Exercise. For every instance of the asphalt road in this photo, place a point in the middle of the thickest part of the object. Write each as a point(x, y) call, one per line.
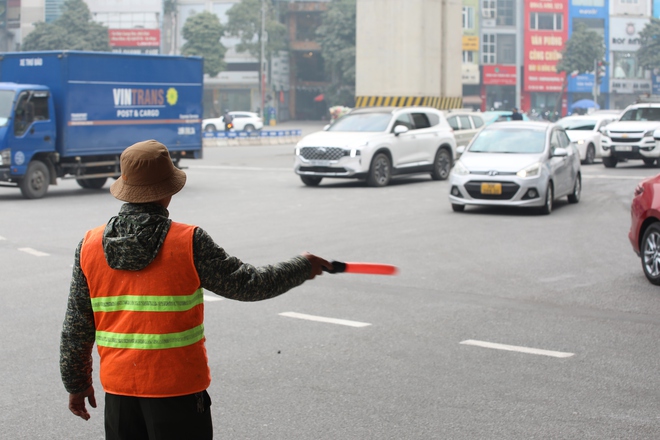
point(407, 360)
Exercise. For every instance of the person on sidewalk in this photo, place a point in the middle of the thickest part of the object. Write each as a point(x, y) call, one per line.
point(137, 292)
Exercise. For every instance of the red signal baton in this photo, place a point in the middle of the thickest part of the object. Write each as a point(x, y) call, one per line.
point(363, 268)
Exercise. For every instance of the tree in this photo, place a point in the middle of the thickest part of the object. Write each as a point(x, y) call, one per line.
point(244, 22)
point(582, 50)
point(648, 54)
point(202, 33)
point(73, 30)
point(337, 39)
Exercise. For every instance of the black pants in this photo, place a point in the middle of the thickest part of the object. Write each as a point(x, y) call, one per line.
point(170, 418)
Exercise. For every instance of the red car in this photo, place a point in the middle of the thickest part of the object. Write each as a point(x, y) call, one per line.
point(644, 232)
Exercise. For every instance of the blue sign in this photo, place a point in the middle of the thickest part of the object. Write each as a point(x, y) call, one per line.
point(584, 83)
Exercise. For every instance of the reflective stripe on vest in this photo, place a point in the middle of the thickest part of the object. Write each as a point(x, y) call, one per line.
point(140, 341)
point(148, 303)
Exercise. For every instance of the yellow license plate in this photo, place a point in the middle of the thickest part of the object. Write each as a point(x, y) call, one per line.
point(491, 188)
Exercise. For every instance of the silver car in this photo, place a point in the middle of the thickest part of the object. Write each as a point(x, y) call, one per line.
point(518, 163)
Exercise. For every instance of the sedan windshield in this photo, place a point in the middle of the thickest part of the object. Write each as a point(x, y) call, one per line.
point(509, 140)
point(642, 114)
point(6, 101)
point(578, 124)
point(369, 122)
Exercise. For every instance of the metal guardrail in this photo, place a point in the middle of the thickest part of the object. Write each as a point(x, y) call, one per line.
point(263, 137)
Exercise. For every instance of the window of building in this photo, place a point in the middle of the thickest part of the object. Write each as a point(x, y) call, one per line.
point(488, 8)
point(128, 20)
point(488, 49)
point(468, 56)
point(545, 21)
point(625, 66)
point(468, 17)
point(593, 24)
point(505, 49)
point(306, 26)
point(634, 2)
point(506, 13)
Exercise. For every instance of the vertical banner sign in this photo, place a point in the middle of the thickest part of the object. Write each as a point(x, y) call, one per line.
point(546, 32)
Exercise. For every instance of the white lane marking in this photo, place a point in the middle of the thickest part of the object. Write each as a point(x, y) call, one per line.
point(2, 238)
point(557, 354)
point(235, 168)
point(34, 252)
point(603, 176)
point(212, 298)
point(322, 319)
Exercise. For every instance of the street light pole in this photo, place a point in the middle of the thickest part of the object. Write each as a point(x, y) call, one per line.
point(262, 70)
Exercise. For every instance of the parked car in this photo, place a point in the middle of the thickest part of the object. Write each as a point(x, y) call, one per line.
point(243, 121)
point(376, 144)
point(465, 125)
point(644, 234)
point(517, 164)
point(631, 136)
point(585, 131)
point(500, 116)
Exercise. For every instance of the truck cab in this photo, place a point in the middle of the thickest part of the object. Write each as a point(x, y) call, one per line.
point(27, 136)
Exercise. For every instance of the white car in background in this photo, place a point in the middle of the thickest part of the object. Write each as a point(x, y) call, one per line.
point(376, 144)
point(243, 121)
point(585, 131)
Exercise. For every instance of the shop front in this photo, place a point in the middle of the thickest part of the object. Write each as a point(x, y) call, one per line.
point(628, 79)
point(498, 90)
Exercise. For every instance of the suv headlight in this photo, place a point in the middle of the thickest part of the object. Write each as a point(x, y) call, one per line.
point(530, 171)
point(460, 169)
point(649, 133)
point(5, 157)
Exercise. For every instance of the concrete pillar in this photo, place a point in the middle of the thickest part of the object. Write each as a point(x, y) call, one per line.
point(409, 53)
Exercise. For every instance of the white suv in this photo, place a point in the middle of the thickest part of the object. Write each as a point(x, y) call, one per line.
point(377, 143)
point(631, 136)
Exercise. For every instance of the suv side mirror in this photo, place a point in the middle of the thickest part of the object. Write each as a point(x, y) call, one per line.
point(400, 129)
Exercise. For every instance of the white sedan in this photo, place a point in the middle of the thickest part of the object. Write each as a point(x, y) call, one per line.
point(584, 130)
point(243, 121)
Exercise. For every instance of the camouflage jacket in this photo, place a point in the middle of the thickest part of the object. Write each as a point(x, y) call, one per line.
point(131, 240)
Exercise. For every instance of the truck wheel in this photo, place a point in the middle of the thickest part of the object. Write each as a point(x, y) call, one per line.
point(34, 184)
point(610, 162)
point(96, 183)
point(379, 172)
point(311, 180)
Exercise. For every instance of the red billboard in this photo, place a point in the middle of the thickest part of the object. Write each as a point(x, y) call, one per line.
point(134, 37)
point(546, 32)
point(499, 74)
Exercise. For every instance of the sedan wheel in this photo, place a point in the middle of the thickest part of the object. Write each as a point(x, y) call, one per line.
point(380, 171)
point(209, 128)
point(651, 253)
point(574, 197)
point(549, 198)
point(590, 155)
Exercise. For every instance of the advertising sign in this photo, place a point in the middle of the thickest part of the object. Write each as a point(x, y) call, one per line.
point(546, 32)
point(470, 43)
point(499, 74)
point(134, 37)
point(624, 33)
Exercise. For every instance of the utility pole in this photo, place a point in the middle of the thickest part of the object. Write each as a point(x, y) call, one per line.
point(262, 58)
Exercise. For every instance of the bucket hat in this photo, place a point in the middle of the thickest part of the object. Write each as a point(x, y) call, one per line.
point(147, 174)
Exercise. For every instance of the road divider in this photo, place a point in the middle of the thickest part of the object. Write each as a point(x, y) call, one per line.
point(244, 138)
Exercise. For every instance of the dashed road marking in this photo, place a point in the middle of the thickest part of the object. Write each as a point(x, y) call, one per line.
point(237, 168)
point(34, 252)
point(538, 351)
point(2, 238)
point(323, 319)
point(604, 176)
point(212, 298)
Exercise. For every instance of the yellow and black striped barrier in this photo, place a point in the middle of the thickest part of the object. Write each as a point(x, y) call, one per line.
point(409, 101)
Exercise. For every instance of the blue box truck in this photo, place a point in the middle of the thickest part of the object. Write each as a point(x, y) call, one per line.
point(70, 114)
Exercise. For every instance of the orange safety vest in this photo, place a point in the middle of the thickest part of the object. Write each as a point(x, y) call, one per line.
point(149, 322)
